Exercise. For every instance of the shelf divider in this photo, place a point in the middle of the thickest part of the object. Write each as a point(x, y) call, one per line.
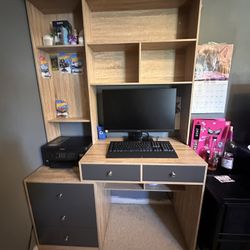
point(62, 48)
point(70, 119)
point(124, 186)
point(163, 187)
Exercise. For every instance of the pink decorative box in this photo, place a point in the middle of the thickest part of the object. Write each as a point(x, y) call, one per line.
point(209, 135)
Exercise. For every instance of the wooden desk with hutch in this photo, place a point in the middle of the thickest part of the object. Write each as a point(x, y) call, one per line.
point(127, 43)
point(73, 208)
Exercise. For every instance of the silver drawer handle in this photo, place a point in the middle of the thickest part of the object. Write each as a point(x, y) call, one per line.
point(63, 218)
point(59, 196)
point(66, 238)
point(172, 174)
point(110, 173)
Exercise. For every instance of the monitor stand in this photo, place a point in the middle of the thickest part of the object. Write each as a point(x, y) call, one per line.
point(138, 136)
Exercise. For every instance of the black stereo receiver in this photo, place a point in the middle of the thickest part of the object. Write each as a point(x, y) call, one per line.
point(65, 151)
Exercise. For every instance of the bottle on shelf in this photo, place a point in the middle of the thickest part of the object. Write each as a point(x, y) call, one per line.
point(229, 152)
point(213, 160)
point(213, 155)
point(205, 151)
point(73, 38)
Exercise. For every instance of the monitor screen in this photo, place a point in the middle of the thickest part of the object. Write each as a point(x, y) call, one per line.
point(131, 110)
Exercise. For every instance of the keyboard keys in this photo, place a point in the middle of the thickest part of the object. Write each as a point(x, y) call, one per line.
point(148, 149)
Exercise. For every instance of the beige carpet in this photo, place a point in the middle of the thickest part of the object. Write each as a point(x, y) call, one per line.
point(142, 227)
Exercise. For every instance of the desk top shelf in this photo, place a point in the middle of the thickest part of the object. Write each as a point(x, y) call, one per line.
point(46, 174)
point(186, 156)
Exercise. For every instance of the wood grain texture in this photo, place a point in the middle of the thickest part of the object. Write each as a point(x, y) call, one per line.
point(86, 21)
point(90, 70)
point(105, 47)
point(164, 188)
point(187, 209)
point(139, 63)
point(47, 247)
point(124, 186)
point(184, 91)
point(72, 88)
point(153, 83)
point(59, 48)
point(115, 63)
point(127, 42)
point(55, 6)
point(70, 120)
point(97, 155)
point(198, 9)
point(54, 175)
point(193, 9)
point(102, 201)
point(170, 44)
point(166, 53)
point(30, 209)
point(101, 5)
point(167, 61)
point(162, 66)
point(190, 62)
point(133, 26)
point(93, 113)
point(38, 28)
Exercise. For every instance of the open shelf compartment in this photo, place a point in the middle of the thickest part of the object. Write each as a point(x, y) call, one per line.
point(167, 62)
point(55, 6)
point(72, 88)
point(138, 21)
point(43, 13)
point(114, 63)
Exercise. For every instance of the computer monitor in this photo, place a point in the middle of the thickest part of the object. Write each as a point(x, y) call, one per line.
point(139, 110)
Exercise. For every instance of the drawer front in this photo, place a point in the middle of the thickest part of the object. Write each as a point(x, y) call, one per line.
point(111, 172)
point(234, 245)
point(86, 237)
point(173, 173)
point(62, 205)
point(236, 219)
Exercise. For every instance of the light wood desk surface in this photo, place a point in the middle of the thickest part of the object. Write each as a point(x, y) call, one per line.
point(186, 156)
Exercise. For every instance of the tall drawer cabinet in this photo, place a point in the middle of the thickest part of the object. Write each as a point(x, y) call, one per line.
point(64, 214)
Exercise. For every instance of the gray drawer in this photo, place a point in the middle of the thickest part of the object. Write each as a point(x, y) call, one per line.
point(62, 205)
point(173, 173)
point(110, 172)
point(68, 237)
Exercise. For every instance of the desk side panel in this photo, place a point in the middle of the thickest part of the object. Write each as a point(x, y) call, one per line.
point(102, 201)
point(187, 206)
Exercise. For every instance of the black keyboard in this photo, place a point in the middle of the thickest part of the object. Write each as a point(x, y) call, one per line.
point(138, 149)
